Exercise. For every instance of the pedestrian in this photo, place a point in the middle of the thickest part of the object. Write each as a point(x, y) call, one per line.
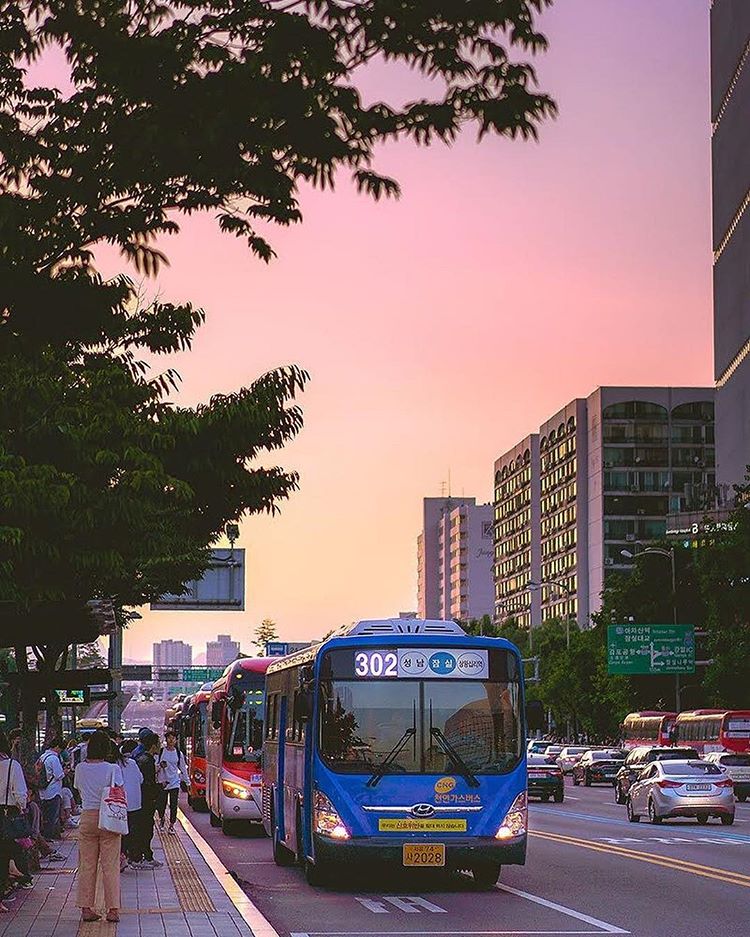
point(143, 856)
point(133, 780)
point(143, 734)
point(13, 797)
point(97, 848)
point(171, 773)
point(49, 781)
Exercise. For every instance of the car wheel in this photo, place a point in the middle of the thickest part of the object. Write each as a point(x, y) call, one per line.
point(653, 816)
point(742, 798)
point(702, 818)
point(619, 796)
point(545, 798)
point(486, 874)
point(559, 797)
point(587, 780)
point(633, 817)
point(727, 819)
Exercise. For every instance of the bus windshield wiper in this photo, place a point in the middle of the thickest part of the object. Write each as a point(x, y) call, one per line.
point(381, 769)
point(457, 760)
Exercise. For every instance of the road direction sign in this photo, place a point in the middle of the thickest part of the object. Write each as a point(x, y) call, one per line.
point(651, 649)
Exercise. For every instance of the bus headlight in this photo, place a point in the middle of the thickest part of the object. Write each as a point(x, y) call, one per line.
point(515, 821)
point(238, 791)
point(199, 777)
point(326, 820)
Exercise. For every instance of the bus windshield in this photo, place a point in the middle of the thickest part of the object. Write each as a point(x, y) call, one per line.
point(200, 729)
point(245, 737)
point(431, 726)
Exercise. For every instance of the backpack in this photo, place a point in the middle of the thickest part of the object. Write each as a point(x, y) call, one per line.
point(41, 774)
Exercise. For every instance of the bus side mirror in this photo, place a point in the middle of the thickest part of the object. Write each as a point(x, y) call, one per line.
point(306, 677)
point(304, 705)
point(216, 714)
point(236, 699)
point(534, 715)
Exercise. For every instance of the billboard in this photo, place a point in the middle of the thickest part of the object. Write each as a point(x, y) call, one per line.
point(650, 649)
point(220, 589)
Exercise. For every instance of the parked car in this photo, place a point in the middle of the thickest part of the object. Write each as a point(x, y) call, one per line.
point(569, 756)
point(597, 767)
point(737, 766)
point(639, 758)
point(545, 779)
point(697, 789)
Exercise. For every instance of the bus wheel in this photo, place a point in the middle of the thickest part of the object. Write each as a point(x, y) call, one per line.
point(486, 874)
point(316, 873)
point(213, 819)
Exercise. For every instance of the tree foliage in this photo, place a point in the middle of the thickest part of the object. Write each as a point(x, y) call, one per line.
point(265, 632)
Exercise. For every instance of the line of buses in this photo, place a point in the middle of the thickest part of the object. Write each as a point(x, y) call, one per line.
point(399, 740)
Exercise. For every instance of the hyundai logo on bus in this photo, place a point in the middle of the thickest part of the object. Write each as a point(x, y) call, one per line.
point(422, 810)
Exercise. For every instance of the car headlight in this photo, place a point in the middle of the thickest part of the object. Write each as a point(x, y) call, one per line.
point(515, 822)
point(326, 820)
point(238, 791)
point(199, 777)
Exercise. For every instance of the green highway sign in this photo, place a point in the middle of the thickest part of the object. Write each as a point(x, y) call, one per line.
point(651, 649)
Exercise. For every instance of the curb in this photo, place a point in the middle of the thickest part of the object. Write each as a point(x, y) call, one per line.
point(255, 920)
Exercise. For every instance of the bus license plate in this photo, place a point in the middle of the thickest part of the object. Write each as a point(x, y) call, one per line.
point(428, 855)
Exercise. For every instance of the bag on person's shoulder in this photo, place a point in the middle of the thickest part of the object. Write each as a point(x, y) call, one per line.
point(113, 810)
point(13, 823)
point(42, 777)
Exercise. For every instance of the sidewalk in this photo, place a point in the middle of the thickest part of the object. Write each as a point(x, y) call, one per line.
point(184, 898)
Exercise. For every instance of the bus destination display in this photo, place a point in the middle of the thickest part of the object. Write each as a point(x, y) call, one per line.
point(409, 663)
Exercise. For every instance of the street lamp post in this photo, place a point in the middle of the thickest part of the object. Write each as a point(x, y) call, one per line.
point(670, 555)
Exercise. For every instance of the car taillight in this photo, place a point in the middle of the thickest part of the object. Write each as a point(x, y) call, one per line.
point(725, 782)
point(664, 784)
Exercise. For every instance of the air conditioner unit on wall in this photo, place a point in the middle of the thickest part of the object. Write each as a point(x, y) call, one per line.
point(608, 561)
point(630, 538)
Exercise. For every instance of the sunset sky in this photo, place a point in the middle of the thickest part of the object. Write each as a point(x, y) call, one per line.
point(440, 329)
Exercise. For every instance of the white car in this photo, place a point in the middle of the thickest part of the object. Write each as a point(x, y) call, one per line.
point(737, 766)
point(570, 756)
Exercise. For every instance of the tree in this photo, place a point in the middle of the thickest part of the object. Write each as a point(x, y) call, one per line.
point(108, 489)
point(265, 632)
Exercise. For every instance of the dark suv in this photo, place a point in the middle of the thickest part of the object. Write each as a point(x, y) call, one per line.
point(637, 760)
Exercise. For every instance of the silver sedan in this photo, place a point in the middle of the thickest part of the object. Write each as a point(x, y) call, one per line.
point(681, 789)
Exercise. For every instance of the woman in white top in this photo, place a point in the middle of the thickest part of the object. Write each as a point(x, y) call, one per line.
point(171, 773)
point(97, 848)
point(13, 797)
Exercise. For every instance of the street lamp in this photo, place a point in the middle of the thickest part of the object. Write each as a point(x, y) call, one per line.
point(536, 586)
point(669, 555)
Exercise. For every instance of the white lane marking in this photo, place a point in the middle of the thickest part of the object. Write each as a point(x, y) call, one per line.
point(257, 922)
point(377, 907)
point(437, 933)
point(570, 797)
point(412, 904)
point(587, 919)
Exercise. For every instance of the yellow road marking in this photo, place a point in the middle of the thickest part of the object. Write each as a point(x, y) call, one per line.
point(667, 862)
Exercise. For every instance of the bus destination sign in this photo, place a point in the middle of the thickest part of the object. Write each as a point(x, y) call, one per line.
point(409, 663)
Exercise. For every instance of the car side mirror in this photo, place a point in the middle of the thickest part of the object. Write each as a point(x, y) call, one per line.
point(534, 715)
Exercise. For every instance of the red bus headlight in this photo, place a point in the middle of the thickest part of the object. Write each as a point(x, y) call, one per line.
point(237, 791)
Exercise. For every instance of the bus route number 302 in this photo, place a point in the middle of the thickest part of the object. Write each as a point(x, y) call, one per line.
point(376, 664)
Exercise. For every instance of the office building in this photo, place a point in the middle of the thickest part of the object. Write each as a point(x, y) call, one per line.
point(599, 478)
point(454, 559)
point(222, 651)
point(173, 654)
point(730, 148)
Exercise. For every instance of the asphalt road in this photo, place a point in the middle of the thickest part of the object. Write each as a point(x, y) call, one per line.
point(588, 871)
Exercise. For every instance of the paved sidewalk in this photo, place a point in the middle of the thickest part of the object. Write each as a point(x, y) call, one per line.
point(184, 898)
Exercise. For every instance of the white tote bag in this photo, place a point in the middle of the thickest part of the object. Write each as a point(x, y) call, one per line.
point(113, 810)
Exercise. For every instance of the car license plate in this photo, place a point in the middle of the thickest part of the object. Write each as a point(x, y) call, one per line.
point(698, 788)
point(428, 855)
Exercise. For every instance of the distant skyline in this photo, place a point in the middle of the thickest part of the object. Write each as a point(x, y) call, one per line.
point(440, 329)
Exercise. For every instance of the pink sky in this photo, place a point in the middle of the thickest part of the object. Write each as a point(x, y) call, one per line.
point(440, 329)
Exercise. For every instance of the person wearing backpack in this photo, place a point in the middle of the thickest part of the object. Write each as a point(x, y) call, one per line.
point(49, 781)
point(171, 773)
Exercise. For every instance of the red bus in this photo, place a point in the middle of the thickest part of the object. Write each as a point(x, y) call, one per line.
point(234, 743)
point(195, 730)
point(715, 730)
point(648, 728)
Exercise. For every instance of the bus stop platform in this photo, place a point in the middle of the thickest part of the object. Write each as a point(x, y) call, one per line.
point(191, 895)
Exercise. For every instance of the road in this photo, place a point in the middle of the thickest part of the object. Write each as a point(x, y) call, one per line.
point(588, 871)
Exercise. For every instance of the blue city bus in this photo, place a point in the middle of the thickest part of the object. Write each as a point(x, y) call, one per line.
point(400, 741)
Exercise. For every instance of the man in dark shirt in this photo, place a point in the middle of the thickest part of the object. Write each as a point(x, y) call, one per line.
point(143, 857)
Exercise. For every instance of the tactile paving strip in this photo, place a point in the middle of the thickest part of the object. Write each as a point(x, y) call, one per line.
point(191, 892)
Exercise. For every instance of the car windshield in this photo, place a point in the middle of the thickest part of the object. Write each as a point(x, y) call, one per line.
point(606, 756)
point(432, 726)
point(735, 761)
point(691, 768)
point(573, 751)
point(675, 754)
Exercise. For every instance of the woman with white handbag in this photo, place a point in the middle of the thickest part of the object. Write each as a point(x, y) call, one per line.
point(103, 821)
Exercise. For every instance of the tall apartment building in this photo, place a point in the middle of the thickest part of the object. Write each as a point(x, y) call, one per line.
point(599, 477)
point(454, 559)
point(730, 106)
point(222, 651)
point(172, 654)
